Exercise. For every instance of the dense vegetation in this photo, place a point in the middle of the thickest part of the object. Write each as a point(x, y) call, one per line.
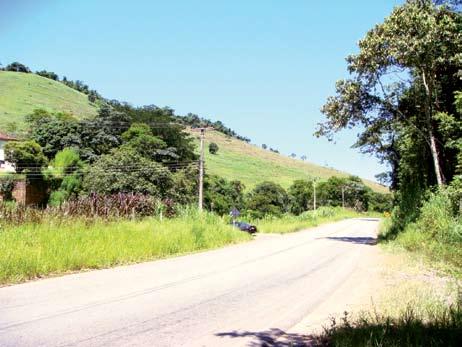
point(405, 94)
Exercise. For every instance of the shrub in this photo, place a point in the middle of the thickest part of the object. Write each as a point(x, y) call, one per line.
point(7, 187)
point(222, 195)
point(125, 171)
point(301, 196)
point(213, 148)
point(267, 198)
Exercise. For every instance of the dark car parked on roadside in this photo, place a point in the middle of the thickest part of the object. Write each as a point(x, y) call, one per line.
point(251, 229)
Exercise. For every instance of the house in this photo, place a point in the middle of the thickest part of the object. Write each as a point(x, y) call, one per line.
point(5, 166)
point(24, 191)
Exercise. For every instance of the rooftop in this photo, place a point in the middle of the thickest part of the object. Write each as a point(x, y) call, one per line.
point(5, 137)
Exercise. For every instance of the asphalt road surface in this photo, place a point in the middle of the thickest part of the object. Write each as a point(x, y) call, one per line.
point(229, 296)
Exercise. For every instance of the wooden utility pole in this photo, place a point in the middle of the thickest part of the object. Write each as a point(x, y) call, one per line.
point(314, 195)
point(201, 170)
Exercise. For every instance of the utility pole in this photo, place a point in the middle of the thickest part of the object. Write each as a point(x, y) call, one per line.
point(201, 170)
point(314, 195)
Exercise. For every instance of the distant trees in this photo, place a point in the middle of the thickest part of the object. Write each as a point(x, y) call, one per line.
point(267, 198)
point(213, 148)
point(293, 155)
point(303, 157)
point(264, 146)
point(222, 195)
point(355, 193)
point(300, 196)
point(48, 74)
point(17, 67)
point(194, 121)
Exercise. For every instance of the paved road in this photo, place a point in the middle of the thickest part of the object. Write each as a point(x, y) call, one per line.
point(217, 298)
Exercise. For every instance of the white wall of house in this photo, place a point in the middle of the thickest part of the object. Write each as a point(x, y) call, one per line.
point(4, 166)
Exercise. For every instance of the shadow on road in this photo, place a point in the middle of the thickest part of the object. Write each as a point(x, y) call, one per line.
point(358, 240)
point(270, 338)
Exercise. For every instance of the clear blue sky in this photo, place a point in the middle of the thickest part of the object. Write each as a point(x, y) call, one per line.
point(263, 67)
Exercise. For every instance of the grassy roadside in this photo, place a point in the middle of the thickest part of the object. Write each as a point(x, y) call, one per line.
point(291, 223)
point(35, 250)
point(61, 245)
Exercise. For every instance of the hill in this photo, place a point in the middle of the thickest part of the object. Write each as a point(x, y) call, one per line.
point(251, 164)
point(21, 93)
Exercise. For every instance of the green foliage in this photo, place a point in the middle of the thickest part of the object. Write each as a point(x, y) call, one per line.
point(126, 171)
point(64, 176)
point(163, 126)
point(92, 137)
point(355, 193)
point(221, 196)
point(194, 121)
point(140, 139)
point(17, 67)
point(213, 148)
point(403, 94)
point(442, 329)
point(252, 165)
point(379, 202)
point(184, 190)
point(301, 196)
point(48, 74)
point(26, 156)
point(267, 198)
point(7, 183)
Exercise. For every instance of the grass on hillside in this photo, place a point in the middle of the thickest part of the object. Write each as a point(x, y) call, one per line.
point(21, 93)
point(35, 250)
point(252, 165)
point(290, 223)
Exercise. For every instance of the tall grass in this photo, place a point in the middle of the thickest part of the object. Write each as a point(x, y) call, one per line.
point(290, 223)
point(440, 329)
point(34, 250)
point(436, 234)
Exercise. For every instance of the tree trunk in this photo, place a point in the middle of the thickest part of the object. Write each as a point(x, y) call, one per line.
point(431, 135)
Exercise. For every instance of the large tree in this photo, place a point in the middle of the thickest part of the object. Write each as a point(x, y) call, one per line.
point(402, 82)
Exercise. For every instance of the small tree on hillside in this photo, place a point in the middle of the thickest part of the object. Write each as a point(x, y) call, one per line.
point(17, 67)
point(213, 148)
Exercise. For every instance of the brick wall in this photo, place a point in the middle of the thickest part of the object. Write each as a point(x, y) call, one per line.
point(25, 193)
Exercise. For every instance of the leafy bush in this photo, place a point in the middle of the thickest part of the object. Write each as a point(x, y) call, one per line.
point(64, 176)
point(213, 148)
point(26, 156)
point(267, 198)
point(125, 171)
point(221, 195)
point(301, 196)
point(6, 187)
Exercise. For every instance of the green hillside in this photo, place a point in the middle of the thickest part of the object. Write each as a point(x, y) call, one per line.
point(250, 164)
point(21, 93)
